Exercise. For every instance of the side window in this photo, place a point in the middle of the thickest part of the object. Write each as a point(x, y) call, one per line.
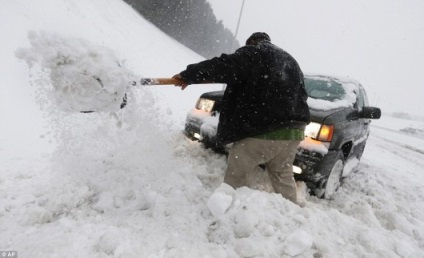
point(362, 98)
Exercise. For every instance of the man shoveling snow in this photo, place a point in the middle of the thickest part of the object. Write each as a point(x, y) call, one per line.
point(264, 111)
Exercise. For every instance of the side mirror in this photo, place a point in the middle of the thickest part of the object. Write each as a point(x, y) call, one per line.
point(370, 112)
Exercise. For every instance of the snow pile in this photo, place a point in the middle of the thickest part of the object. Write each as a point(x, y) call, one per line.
point(313, 145)
point(209, 126)
point(259, 224)
point(298, 242)
point(84, 76)
point(221, 200)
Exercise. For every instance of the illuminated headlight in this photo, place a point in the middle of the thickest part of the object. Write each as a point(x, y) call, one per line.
point(197, 136)
point(205, 104)
point(312, 130)
point(297, 170)
point(319, 132)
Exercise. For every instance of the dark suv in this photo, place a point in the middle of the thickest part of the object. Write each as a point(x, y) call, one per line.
point(334, 140)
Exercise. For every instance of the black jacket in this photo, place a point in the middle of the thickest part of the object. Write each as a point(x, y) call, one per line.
point(265, 91)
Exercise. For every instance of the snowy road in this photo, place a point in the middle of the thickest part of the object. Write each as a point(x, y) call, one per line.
point(386, 192)
point(405, 152)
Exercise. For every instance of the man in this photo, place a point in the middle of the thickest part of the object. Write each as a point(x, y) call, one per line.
point(264, 111)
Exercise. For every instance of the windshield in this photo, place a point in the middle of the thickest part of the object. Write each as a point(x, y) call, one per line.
point(329, 90)
point(328, 93)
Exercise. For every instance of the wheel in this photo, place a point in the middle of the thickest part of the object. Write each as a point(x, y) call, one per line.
point(329, 185)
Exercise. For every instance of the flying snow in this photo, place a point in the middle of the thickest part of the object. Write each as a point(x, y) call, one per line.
point(83, 76)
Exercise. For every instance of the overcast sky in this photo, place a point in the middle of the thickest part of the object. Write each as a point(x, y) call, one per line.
point(380, 43)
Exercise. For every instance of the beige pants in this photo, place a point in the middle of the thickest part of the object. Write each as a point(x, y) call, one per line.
point(246, 155)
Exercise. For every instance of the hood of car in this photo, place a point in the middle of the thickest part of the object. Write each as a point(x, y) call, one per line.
point(316, 115)
point(213, 95)
point(332, 116)
point(328, 116)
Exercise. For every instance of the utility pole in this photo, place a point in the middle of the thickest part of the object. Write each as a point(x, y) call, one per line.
point(235, 35)
point(238, 23)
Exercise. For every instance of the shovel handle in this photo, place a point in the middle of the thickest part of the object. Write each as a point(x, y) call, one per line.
point(158, 81)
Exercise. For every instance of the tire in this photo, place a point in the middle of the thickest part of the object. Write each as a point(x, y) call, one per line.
point(329, 185)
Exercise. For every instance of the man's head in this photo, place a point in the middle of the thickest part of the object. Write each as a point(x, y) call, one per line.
point(257, 37)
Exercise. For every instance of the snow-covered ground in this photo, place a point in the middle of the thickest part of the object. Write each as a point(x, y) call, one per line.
point(128, 183)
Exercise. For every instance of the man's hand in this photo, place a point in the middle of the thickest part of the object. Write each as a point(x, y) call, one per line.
point(181, 83)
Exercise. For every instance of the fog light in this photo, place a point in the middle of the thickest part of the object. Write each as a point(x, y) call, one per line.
point(297, 170)
point(197, 136)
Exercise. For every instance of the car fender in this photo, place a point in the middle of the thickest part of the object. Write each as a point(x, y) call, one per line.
point(323, 169)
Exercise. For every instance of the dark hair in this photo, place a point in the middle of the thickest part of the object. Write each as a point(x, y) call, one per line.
point(256, 37)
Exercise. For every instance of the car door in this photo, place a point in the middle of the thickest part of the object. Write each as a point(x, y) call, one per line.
point(363, 124)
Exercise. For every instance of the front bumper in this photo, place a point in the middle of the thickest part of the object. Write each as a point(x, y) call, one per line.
point(192, 129)
point(309, 162)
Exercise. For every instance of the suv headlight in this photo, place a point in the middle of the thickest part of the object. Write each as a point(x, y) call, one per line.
point(205, 104)
point(319, 132)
